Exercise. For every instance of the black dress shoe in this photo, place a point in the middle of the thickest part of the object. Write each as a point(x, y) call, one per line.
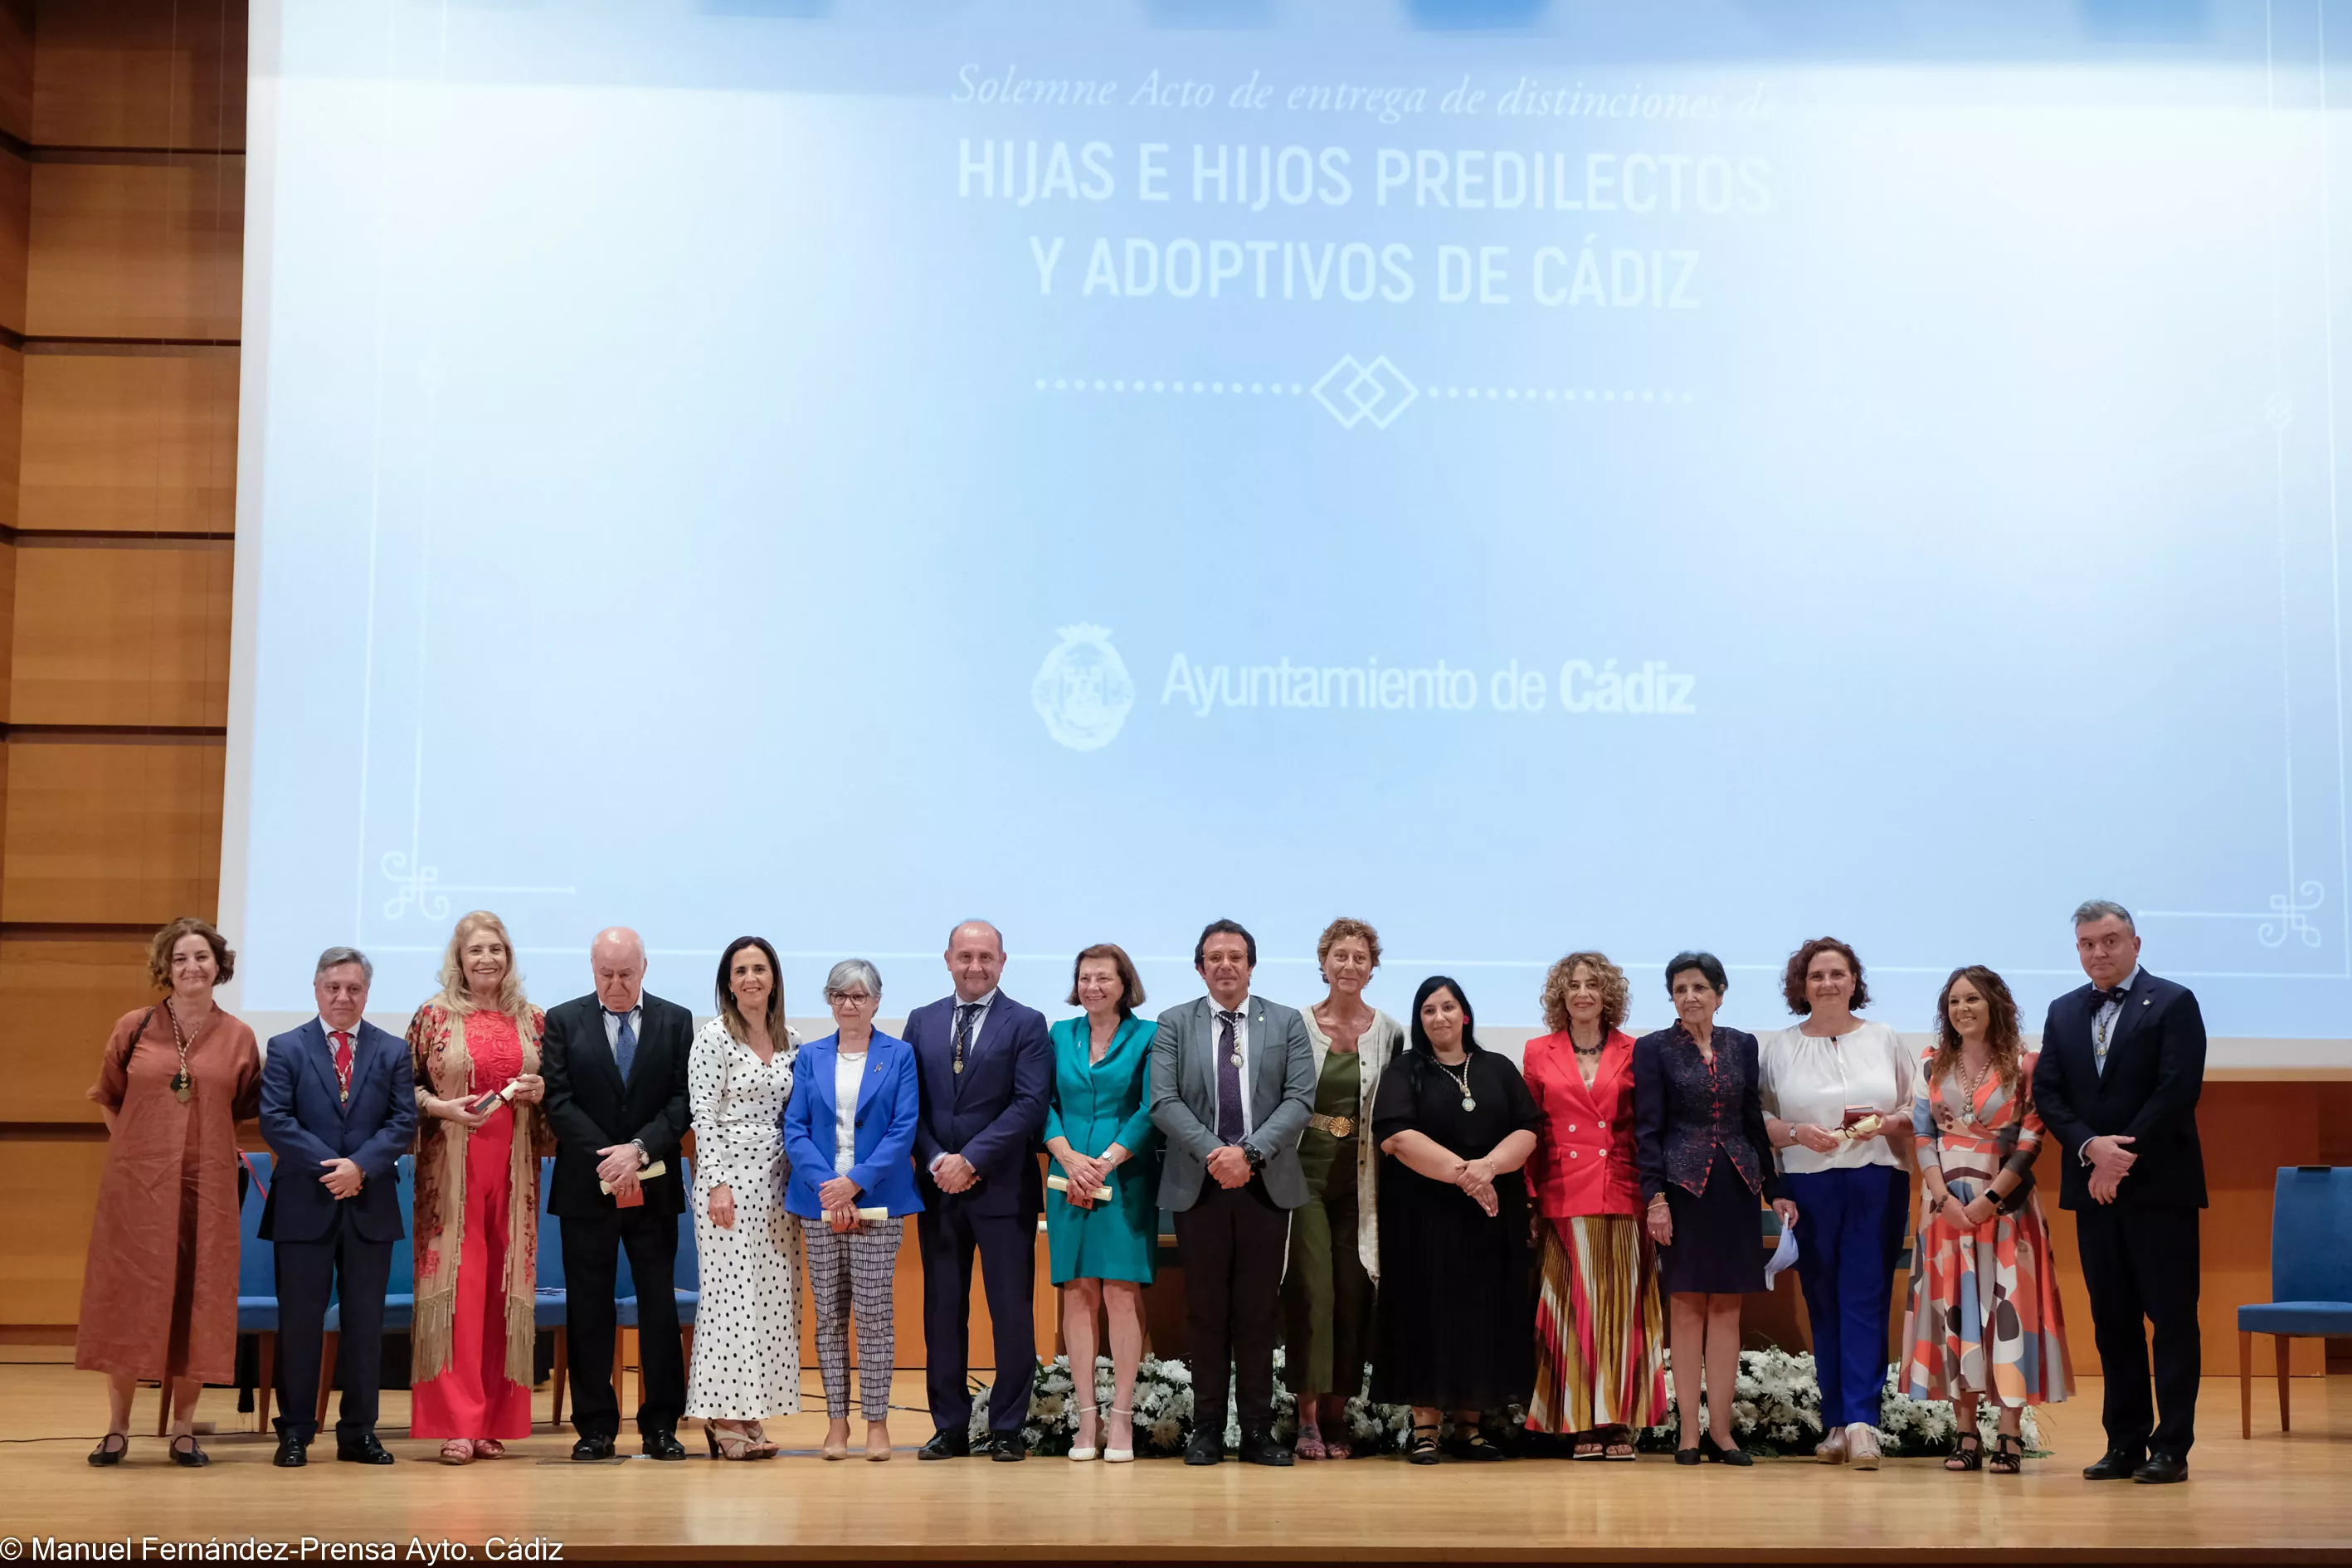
point(1686, 1456)
point(662, 1446)
point(1715, 1453)
point(185, 1452)
point(1205, 1448)
point(363, 1449)
point(589, 1450)
point(1007, 1448)
point(1260, 1449)
point(2115, 1465)
point(2161, 1469)
point(293, 1451)
point(111, 1449)
point(946, 1444)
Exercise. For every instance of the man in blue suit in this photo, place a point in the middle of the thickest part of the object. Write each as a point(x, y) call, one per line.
point(338, 1109)
point(2123, 1064)
point(986, 1067)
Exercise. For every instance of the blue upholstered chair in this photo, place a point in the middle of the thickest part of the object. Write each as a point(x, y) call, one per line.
point(257, 1291)
point(2311, 1276)
point(550, 1304)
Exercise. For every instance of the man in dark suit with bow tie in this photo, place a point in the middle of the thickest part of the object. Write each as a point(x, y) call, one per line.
point(1232, 1083)
point(2123, 1064)
point(338, 1109)
point(616, 1098)
point(986, 1067)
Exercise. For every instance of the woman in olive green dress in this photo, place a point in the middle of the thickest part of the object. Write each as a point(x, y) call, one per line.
point(1335, 1238)
point(1099, 1130)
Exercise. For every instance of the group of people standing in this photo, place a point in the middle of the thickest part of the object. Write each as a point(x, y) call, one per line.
point(1373, 1193)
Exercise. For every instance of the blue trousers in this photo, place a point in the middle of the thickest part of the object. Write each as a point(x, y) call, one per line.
point(1845, 1261)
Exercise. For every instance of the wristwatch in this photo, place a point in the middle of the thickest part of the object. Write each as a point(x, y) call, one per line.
point(1257, 1161)
point(643, 1159)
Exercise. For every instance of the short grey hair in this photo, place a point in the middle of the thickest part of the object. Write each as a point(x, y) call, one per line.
point(851, 974)
point(336, 957)
point(2090, 911)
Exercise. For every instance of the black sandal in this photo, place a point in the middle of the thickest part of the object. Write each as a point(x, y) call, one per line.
point(2008, 1453)
point(1421, 1450)
point(111, 1449)
point(192, 1457)
point(1966, 1455)
point(1477, 1448)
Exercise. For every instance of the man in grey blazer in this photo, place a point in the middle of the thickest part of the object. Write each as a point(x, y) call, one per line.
point(1232, 1176)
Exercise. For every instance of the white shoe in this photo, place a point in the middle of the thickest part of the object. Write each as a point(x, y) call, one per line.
point(1122, 1456)
point(1081, 1456)
point(1832, 1449)
point(1861, 1446)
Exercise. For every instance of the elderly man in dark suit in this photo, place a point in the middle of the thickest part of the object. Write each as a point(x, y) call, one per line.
point(986, 1068)
point(1232, 1083)
point(2123, 1063)
point(614, 1063)
point(338, 1109)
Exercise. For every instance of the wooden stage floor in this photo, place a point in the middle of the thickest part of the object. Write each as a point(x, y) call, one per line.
point(2275, 1496)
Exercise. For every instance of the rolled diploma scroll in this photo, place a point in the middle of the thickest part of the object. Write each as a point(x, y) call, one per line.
point(1062, 1184)
point(655, 1169)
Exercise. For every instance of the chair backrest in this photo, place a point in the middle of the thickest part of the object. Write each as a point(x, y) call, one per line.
point(550, 1237)
point(2311, 1234)
point(690, 1262)
point(403, 1257)
point(257, 1260)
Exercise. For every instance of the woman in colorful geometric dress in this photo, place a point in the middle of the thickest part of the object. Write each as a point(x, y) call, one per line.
point(476, 1220)
point(1984, 1321)
point(1600, 1330)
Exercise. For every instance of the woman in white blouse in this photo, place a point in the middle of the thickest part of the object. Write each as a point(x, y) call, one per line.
point(1833, 1088)
point(747, 1342)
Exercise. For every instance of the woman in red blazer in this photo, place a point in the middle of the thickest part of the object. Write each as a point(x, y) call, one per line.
point(1599, 1330)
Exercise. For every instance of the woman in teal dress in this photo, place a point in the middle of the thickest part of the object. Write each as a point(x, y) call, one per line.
point(1099, 1130)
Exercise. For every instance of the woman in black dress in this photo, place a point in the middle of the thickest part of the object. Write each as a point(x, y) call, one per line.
point(1703, 1154)
point(1455, 1324)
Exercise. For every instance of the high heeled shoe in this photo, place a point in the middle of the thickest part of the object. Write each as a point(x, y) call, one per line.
point(1121, 1456)
point(1081, 1452)
point(732, 1447)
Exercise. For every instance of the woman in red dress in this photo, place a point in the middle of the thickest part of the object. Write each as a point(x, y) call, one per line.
point(476, 1220)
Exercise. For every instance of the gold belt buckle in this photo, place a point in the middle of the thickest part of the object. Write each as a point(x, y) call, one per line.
point(1338, 1126)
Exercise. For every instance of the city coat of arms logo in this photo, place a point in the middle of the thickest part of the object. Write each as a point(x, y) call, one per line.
point(1083, 691)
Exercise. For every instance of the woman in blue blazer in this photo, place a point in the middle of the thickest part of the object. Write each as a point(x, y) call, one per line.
point(849, 1131)
point(1099, 1130)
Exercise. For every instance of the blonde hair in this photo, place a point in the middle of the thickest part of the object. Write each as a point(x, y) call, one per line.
point(1615, 993)
point(455, 994)
point(1338, 931)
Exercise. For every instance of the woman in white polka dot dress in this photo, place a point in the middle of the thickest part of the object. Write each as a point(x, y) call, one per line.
point(747, 1342)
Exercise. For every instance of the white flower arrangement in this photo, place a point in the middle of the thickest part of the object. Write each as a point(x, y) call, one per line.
point(1777, 1409)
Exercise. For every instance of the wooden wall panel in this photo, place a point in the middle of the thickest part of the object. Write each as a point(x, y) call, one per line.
point(132, 632)
point(12, 431)
point(61, 995)
point(48, 1193)
point(16, 68)
point(111, 829)
point(142, 442)
point(16, 225)
point(151, 249)
point(140, 73)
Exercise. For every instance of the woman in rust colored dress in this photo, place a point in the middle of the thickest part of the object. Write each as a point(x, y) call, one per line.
point(159, 1292)
point(476, 1220)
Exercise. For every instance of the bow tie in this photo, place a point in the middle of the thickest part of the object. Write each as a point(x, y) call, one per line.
point(2104, 998)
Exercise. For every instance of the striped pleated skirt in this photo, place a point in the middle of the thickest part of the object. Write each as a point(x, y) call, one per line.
point(1600, 1331)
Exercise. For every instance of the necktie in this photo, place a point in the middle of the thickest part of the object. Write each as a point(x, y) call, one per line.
point(624, 1047)
point(2109, 998)
point(2103, 1027)
point(1229, 1079)
point(343, 1061)
point(965, 1013)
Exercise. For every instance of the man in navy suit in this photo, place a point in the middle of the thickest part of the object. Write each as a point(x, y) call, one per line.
point(338, 1109)
point(986, 1068)
point(2123, 1063)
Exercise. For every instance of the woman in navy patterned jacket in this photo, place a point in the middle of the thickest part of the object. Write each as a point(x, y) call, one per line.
point(1700, 1147)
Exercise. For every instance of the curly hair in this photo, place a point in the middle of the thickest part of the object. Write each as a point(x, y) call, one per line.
point(1792, 979)
point(1615, 993)
point(455, 994)
point(159, 951)
point(1338, 931)
point(2001, 1026)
